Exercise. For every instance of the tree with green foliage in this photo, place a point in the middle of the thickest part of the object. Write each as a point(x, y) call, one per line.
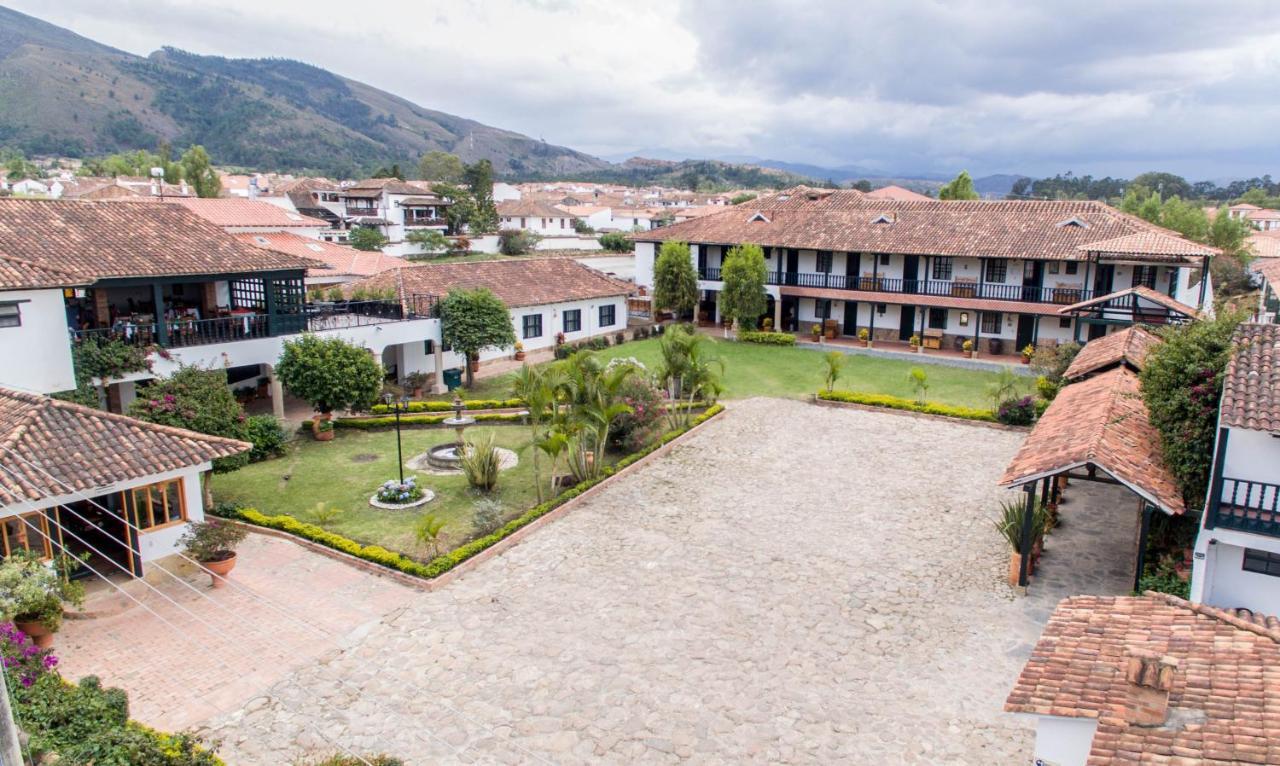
point(833, 367)
point(472, 320)
point(675, 283)
point(330, 373)
point(1181, 386)
point(198, 172)
point(960, 187)
point(389, 172)
point(743, 298)
point(430, 241)
point(367, 238)
point(617, 242)
point(1165, 184)
point(17, 167)
point(517, 241)
point(440, 167)
point(463, 209)
point(862, 185)
point(479, 179)
point(738, 199)
point(198, 400)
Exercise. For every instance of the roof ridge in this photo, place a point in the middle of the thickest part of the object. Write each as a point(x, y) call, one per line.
point(1216, 613)
point(1121, 374)
point(49, 402)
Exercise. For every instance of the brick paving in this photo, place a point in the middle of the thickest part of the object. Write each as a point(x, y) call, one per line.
point(791, 584)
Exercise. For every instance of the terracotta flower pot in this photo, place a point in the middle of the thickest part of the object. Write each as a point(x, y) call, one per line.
point(475, 365)
point(1026, 360)
point(1015, 566)
point(324, 436)
point(220, 569)
point(39, 634)
point(519, 356)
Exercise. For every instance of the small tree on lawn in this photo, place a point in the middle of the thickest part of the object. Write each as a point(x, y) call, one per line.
point(675, 283)
point(431, 241)
point(473, 320)
point(744, 273)
point(330, 373)
point(1181, 386)
point(366, 238)
point(198, 400)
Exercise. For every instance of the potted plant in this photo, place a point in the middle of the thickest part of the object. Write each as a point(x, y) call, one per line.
point(213, 544)
point(995, 346)
point(416, 382)
point(914, 340)
point(322, 428)
point(1009, 525)
point(829, 329)
point(519, 351)
point(864, 335)
point(1027, 352)
point(817, 332)
point(32, 593)
point(968, 348)
point(768, 324)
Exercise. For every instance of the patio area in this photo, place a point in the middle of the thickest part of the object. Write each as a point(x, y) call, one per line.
point(790, 584)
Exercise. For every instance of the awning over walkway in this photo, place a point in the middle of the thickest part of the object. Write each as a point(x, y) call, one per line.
point(1101, 423)
point(1133, 305)
point(1128, 347)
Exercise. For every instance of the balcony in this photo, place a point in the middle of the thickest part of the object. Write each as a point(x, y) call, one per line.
point(247, 325)
point(945, 288)
point(416, 221)
point(1248, 506)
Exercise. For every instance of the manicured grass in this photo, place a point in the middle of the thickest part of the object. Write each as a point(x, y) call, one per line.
point(752, 369)
point(346, 471)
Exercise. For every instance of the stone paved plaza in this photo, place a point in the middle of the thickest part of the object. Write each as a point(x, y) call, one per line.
point(791, 584)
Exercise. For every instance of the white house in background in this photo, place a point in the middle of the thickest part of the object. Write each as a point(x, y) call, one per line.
point(393, 207)
point(999, 274)
point(1237, 553)
point(159, 277)
point(117, 490)
point(236, 215)
point(33, 188)
point(1151, 680)
point(538, 217)
point(632, 218)
point(549, 299)
point(505, 192)
point(598, 217)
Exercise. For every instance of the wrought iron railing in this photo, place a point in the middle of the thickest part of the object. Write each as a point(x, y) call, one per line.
point(936, 287)
point(1249, 506)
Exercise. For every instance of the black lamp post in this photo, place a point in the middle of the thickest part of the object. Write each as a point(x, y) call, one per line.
point(398, 406)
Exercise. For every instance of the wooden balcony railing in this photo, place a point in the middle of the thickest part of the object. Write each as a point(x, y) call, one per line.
point(937, 287)
point(1249, 506)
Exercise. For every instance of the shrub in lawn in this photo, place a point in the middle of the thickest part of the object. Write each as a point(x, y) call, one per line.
point(481, 463)
point(486, 516)
point(616, 242)
point(898, 403)
point(631, 430)
point(1017, 412)
point(266, 435)
point(764, 337)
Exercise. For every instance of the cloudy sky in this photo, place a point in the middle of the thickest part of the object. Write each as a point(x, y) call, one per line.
point(989, 85)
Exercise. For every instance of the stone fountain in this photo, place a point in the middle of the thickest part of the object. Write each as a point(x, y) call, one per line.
point(448, 457)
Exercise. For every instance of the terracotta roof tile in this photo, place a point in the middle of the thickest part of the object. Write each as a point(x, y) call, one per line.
point(388, 185)
point(1128, 346)
point(896, 193)
point(1269, 268)
point(1142, 291)
point(1099, 421)
point(847, 220)
point(1225, 692)
point(59, 243)
point(234, 211)
point(1251, 387)
point(1265, 244)
point(1150, 243)
point(518, 282)
point(530, 209)
point(89, 449)
point(334, 259)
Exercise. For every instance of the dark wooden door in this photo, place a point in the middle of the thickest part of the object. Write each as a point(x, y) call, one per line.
point(910, 273)
point(850, 317)
point(1096, 330)
point(793, 266)
point(1103, 279)
point(1032, 280)
point(1026, 330)
point(906, 322)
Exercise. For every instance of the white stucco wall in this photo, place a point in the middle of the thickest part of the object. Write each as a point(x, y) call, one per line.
point(1252, 455)
point(37, 355)
point(646, 252)
point(1064, 741)
point(164, 542)
point(1219, 578)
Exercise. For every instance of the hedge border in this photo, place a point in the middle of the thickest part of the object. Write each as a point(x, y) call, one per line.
point(389, 421)
point(398, 562)
point(767, 337)
point(898, 404)
point(471, 404)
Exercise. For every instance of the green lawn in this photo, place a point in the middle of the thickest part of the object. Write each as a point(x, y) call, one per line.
point(795, 372)
point(346, 471)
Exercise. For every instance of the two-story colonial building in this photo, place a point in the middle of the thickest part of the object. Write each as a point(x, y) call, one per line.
point(395, 208)
point(1002, 274)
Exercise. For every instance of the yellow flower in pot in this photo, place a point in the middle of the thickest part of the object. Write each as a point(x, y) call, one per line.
point(864, 335)
point(519, 351)
point(1027, 352)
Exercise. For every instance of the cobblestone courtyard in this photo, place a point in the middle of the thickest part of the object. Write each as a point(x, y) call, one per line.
point(791, 584)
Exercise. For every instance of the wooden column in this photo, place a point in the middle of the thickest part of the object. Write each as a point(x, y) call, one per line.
point(1144, 528)
point(101, 307)
point(209, 300)
point(162, 327)
point(1028, 519)
point(977, 322)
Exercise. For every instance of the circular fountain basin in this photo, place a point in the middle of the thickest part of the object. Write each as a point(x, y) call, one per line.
point(445, 457)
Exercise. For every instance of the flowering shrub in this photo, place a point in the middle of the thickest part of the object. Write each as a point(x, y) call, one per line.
point(625, 361)
point(32, 591)
point(23, 660)
point(1017, 412)
point(632, 430)
point(395, 493)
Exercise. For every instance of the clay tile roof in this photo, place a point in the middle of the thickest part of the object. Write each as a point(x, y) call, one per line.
point(1226, 687)
point(1269, 268)
point(1265, 244)
point(88, 449)
point(530, 209)
point(1150, 243)
point(518, 282)
point(424, 201)
point(59, 243)
point(848, 220)
point(1251, 387)
point(234, 211)
point(332, 259)
point(896, 192)
point(379, 185)
point(1100, 421)
point(1142, 291)
point(1128, 346)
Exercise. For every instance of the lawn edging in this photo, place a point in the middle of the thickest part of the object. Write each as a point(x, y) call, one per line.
point(430, 574)
point(860, 400)
point(389, 421)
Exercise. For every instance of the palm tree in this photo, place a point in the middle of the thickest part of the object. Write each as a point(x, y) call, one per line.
point(835, 366)
point(689, 370)
point(594, 393)
point(430, 532)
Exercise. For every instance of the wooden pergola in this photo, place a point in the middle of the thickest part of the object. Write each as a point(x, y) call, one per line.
point(1095, 430)
point(1133, 305)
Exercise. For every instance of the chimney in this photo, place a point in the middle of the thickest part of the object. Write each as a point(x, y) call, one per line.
point(1150, 678)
